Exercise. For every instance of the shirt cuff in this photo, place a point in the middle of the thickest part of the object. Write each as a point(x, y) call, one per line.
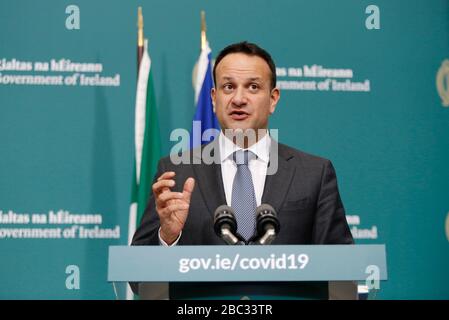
point(163, 243)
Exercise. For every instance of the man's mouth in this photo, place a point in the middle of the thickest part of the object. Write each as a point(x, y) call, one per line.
point(238, 115)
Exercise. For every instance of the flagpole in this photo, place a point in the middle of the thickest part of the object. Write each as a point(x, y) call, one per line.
point(140, 37)
point(203, 30)
point(133, 209)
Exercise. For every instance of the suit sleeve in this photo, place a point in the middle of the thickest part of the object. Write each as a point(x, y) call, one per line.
point(330, 225)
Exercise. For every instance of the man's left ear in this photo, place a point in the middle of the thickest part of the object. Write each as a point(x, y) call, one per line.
point(275, 96)
point(212, 95)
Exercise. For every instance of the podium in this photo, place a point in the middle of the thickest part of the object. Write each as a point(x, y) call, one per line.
point(248, 272)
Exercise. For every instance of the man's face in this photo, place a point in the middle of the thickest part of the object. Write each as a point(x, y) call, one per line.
point(242, 97)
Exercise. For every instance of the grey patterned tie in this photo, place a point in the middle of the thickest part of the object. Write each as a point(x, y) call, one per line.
point(243, 196)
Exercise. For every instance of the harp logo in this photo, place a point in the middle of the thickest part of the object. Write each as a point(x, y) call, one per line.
point(447, 226)
point(442, 83)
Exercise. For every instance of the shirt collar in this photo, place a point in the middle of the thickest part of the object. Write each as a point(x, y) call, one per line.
point(261, 148)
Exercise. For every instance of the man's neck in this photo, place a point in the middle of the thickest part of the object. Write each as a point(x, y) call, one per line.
point(244, 139)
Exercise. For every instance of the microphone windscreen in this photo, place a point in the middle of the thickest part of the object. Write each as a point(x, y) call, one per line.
point(265, 209)
point(223, 210)
point(266, 217)
point(224, 215)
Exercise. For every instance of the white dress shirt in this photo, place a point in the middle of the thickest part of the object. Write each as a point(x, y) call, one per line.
point(257, 166)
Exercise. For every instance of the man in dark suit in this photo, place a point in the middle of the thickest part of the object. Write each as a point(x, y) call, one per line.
point(302, 188)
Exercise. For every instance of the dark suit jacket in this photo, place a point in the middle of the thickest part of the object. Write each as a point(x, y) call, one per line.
point(303, 192)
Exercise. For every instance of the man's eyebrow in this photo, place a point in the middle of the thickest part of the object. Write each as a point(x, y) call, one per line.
point(250, 79)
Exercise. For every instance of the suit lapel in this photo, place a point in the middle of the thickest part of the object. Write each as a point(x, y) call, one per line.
point(210, 181)
point(278, 184)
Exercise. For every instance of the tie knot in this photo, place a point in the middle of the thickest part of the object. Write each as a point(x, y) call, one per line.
point(242, 157)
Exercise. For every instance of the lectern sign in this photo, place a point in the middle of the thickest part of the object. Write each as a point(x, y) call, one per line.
point(245, 263)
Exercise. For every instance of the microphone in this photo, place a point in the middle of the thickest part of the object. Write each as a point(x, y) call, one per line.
point(267, 224)
point(225, 225)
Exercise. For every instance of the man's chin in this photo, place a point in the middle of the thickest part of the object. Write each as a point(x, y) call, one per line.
point(242, 134)
point(239, 130)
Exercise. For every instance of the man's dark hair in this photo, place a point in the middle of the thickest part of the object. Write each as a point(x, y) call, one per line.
point(250, 49)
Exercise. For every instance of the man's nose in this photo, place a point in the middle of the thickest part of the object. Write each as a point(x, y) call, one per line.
point(239, 98)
